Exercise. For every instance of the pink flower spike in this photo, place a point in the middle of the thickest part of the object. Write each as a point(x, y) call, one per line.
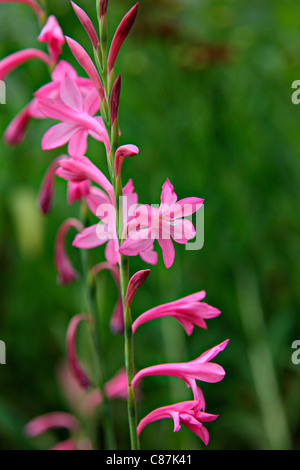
point(75, 367)
point(134, 284)
point(123, 152)
point(66, 272)
point(189, 311)
point(186, 413)
point(53, 36)
point(198, 369)
point(15, 131)
point(86, 63)
point(11, 62)
point(36, 8)
point(86, 23)
point(46, 191)
point(120, 35)
point(43, 423)
point(114, 99)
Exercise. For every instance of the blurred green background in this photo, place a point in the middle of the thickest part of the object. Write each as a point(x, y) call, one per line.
point(206, 96)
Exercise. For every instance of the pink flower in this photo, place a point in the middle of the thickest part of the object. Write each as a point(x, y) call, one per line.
point(114, 99)
point(13, 61)
point(46, 190)
point(53, 36)
point(187, 413)
point(87, 24)
point(34, 5)
point(198, 369)
point(43, 423)
point(15, 132)
point(189, 311)
point(75, 367)
point(103, 206)
point(120, 35)
point(122, 152)
point(48, 421)
point(162, 224)
point(65, 271)
point(75, 111)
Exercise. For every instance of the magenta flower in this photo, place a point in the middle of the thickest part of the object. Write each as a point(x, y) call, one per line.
point(75, 111)
point(187, 413)
point(74, 365)
point(198, 369)
point(162, 224)
point(189, 311)
point(43, 423)
point(15, 131)
point(11, 62)
point(65, 271)
point(53, 36)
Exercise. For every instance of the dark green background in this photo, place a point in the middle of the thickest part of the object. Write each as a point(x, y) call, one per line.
point(206, 96)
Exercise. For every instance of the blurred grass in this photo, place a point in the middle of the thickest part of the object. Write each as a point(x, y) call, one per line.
point(206, 96)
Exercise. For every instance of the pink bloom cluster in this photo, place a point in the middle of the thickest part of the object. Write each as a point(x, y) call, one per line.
point(88, 108)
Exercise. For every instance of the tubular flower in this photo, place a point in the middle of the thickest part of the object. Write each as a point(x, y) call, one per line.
point(74, 365)
point(11, 62)
point(189, 311)
point(53, 36)
point(65, 271)
point(87, 24)
point(187, 413)
point(198, 369)
point(161, 223)
point(76, 113)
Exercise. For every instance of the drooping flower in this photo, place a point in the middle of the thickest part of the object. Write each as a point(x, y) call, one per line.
point(53, 36)
point(65, 271)
point(189, 311)
point(74, 364)
point(11, 62)
point(198, 369)
point(76, 113)
point(187, 413)
point(134, 284)
point(43, 423)
point(161, 223)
